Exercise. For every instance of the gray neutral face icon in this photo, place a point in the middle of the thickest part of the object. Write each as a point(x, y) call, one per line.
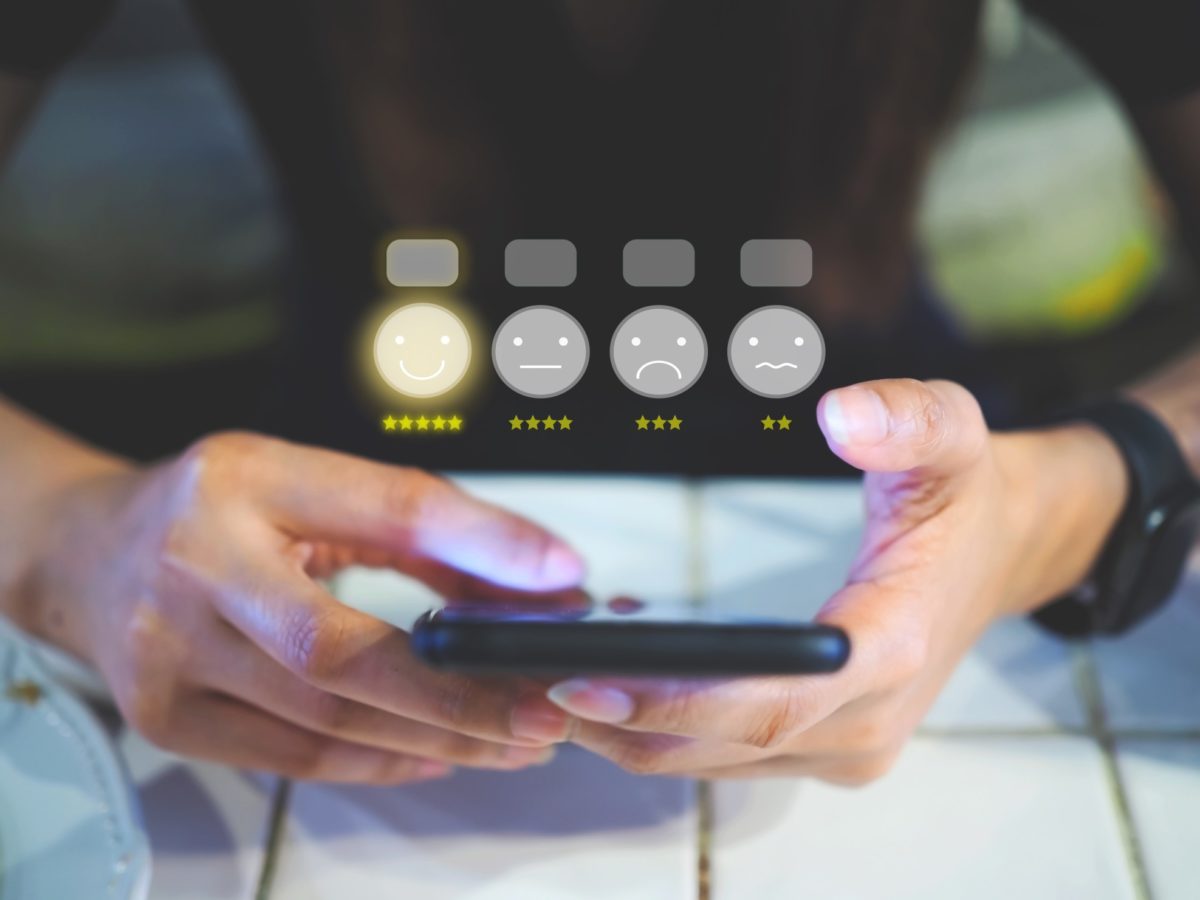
point(540, 351)
point(776, 351)
point(658, 351)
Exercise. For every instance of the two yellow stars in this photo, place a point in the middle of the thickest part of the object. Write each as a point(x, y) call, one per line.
point(533, 423)
point(421, 423)
point(784, 423)
point(659, 423)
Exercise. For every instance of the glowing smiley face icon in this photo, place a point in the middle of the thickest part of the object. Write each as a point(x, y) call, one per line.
point(540, 351)
point(422, 350)
point(776, 351)
point(658, 351)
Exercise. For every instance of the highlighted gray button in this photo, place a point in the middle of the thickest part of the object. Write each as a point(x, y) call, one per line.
point(422, 262)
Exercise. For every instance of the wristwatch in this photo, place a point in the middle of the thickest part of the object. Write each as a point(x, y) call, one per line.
point(1145, 555)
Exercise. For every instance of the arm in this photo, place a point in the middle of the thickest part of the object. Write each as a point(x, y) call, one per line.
point(963, 526)
point(195, 587)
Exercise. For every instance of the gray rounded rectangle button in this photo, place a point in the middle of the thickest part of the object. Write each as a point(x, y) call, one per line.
point(653, 262)
point(422, 262)
point(540, 262)
point(776, 263)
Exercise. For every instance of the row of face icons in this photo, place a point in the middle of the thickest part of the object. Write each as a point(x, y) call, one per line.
point(424, 350)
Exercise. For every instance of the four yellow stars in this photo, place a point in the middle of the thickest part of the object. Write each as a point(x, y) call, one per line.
point(533, 423)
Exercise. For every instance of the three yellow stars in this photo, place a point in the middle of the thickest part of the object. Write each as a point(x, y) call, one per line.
point(533, 423)
point(659, 423)
point(422, 423)
point(784, 423)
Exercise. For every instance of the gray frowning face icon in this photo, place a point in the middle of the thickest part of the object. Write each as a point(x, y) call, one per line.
point(540, 351)
point(658, 351)
point(776, 351)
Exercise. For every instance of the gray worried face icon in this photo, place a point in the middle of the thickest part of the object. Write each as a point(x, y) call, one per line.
point(658, 351)
point(540, 351)
point(776, 351)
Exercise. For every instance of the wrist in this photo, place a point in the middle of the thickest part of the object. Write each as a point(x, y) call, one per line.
point(1069, 486)
point(61, 537)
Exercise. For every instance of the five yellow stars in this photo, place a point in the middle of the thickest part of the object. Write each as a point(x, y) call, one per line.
point(422, 423)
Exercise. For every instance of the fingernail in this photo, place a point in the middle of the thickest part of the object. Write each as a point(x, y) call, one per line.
point(529, 756)
point(855, 415)
point(561, 567)
point(535, 720)
point(431, 768)
point(587, 701)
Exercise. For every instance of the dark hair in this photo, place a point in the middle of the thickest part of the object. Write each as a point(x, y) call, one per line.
point(877, 80)
point(862, 89)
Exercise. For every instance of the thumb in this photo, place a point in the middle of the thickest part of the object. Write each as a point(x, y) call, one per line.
point(899, 424)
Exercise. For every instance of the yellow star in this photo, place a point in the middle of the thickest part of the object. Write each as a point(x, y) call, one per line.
point(455, 423)
point(641, 423)
point(785, 424)
point(406, 423)
point(564, 424)
point(515, 424)
point(422, 424)
point(439, 424)
point(674, 422)
point(533, 422)
point(659, 422)
point(549, 423)
point(768, 424)
point(389, 424)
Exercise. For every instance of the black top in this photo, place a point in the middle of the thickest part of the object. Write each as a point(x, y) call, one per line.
point(658, 180)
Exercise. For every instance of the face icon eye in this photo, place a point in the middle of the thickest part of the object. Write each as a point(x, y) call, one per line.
point(517, 342)
point(637, 342)
point(445, 339)
point(681, 341)
point(753, 342)
point(799, 342)
point(562, 342)
point(399, 339)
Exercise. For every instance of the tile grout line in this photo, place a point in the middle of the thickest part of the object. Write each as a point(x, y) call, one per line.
point(697, 580)
point(1087, 683)
point(276, 824)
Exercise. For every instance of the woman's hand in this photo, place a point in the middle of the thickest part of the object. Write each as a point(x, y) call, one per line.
point(963, 526)
point(191, 586)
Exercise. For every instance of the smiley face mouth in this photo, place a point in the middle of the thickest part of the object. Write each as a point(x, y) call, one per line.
point(658, 362)
point(441, 368)
point(782, 365)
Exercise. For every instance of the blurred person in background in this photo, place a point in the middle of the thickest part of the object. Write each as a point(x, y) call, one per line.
point(192, 583)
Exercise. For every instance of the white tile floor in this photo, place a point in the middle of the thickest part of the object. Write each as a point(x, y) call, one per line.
point(1011, 791)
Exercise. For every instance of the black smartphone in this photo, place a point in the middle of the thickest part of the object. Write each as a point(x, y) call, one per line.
point(622, 637)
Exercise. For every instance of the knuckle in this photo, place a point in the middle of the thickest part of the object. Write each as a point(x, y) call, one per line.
point(412, 496)
point(640, 756)
point(330, 713)
point(867, 770)
point(149, 712)
point(313, 646)
point(787, 714)
point(455, 701)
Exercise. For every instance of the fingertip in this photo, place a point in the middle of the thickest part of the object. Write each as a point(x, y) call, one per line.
point(562, 567)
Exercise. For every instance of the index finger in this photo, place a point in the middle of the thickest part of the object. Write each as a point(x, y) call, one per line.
point(325, 495)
